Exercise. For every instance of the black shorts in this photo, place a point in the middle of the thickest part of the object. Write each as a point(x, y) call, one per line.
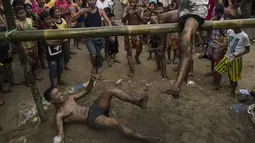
point(94, 112)
point(183, 19)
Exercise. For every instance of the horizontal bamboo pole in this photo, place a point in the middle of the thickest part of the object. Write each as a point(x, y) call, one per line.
point(32, 35)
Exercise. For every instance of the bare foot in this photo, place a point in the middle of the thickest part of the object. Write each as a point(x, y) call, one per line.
point(169, 62)
point(15, 84)
point(97, 77)
point(72, 52)
point(2, 103)
point(67, 68)
point(173, 90)
point(79, 48)
point(231, 95)
point(91, 83)
point(175, 69)
point(137, 61)
point(117, 61)
point(93, 71)
point(157, 69)
point(149, 58)
point(29, 85)
point(38, 78)
point(216, 88)
point(131, 74)
point(174, 62)
point(6, 90)
point(208, 74)
point(110, 64)
point(143, 101)
point(164, 76)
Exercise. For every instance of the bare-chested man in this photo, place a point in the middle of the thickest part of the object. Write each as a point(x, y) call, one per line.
point(190, 15)
point(96, 116)
point(133, 16)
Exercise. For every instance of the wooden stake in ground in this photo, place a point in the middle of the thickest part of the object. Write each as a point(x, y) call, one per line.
point(24, 60)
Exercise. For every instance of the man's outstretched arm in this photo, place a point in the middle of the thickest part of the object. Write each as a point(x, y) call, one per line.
point(59, 123)
point(86, 90)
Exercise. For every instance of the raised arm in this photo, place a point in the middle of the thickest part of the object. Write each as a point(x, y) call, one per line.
point(86, 90)
point(106, 19)
point(140, 13)
point(125, 15)
point(82, 11)
point(59, 124)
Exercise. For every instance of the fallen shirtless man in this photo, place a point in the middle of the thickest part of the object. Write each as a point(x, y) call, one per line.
point(96, 116)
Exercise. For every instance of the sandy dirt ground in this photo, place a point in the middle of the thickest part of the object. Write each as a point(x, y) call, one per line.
point(199, 116)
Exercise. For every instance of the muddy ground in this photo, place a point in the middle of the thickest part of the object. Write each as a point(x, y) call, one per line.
point(199, 116)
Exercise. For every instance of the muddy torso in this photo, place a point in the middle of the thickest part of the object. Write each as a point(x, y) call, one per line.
point(73, 112)
point(134, 19)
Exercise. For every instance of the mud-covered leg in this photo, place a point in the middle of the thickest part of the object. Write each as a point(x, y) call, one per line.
point(162, 49)
point(158, 62)
point(130, 57)
point(168, 51)
point(139, 49)
point(104, 122)
point(104, 100)
point(191, 25)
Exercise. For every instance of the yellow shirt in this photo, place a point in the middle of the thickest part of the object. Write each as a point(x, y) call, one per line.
point(26, 25)
point(62, 25)
point(51, 3)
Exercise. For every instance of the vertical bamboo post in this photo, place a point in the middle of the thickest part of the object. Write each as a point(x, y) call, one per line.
point(8, 11)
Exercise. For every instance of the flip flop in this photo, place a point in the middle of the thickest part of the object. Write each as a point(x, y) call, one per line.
point(39, 78)
point(117, 61)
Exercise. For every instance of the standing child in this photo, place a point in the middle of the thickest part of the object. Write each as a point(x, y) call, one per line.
point(38, 24)
point(24, 23)
point(133, 16)
point(238, 45)
point(54, 54)
point(148, 13)
point(61, 24)
point(31, 14)
point(216, 40)
point(173, 45)
point(113, 45)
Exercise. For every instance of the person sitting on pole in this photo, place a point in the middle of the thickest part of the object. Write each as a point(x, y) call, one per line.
point(54, 52)
point(190, 15)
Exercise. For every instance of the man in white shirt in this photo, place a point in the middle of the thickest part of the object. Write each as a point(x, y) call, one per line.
point(238, 45)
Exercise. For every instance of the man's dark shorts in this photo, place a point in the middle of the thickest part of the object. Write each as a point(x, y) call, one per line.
point(183, 19)
point(94, 112)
